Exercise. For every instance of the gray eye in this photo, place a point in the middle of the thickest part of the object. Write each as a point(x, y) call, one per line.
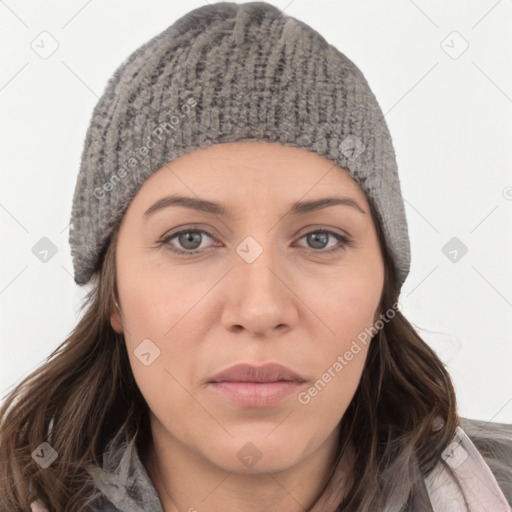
point(318, 239)
point(190, 239)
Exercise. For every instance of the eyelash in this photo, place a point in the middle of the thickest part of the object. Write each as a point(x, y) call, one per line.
point(342, 239)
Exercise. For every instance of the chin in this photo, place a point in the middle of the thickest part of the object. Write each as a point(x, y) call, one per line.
point(254, 455)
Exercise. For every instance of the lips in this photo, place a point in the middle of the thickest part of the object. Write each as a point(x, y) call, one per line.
point(270, 372)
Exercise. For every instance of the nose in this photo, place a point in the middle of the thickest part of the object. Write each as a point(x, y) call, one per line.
point(259, 297)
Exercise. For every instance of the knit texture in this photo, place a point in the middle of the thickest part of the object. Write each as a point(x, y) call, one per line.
point(229, 72)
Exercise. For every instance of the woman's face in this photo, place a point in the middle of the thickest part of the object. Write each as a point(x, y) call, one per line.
point(256, 283)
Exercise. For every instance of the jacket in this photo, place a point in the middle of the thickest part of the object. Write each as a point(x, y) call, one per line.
point(125, 486)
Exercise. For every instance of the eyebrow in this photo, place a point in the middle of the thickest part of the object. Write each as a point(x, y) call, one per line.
point(203, 205)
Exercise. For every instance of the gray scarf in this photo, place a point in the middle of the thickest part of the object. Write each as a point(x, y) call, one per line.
point(480, 456)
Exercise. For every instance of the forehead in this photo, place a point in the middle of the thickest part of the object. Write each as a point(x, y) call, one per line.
point(269, 170)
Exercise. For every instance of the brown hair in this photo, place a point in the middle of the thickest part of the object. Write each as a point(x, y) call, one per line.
point(402, 417)
point(80, 396)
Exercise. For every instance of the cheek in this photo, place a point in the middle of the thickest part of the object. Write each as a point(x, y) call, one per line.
point(160, 324)
point(164, 377)
point(162, 334)
point(324, 401)
point(338, 355)
point(338, 372)
point(155, 298)
point(346, 306)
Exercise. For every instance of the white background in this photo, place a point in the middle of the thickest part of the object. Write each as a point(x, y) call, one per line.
point(450, 119)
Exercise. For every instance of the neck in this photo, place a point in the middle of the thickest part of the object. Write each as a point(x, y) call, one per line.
point(185, 480)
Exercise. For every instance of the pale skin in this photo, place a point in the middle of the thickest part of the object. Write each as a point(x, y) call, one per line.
point(296, 304)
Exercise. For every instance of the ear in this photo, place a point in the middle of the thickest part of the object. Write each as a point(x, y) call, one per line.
point(115, 321)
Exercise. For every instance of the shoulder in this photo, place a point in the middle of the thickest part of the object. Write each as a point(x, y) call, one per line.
point(499, 434)
point(494, 443)
point(493, 440)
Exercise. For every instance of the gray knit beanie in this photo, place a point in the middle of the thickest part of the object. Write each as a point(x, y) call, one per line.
point(228, 72)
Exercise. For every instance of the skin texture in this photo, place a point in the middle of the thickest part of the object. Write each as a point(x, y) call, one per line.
point(295, 304)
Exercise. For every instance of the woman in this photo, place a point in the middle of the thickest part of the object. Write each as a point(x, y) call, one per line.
point(238, 213)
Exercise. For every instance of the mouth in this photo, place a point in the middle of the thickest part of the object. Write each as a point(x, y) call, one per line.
point(255, 394)
point(256, 386)
point(270, 372)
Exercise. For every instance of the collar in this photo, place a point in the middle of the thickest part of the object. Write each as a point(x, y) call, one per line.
point(125, 485)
